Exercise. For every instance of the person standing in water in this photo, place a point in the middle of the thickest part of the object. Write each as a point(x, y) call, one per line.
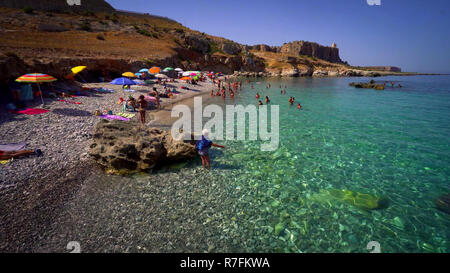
point(257, 96)
point(203, 147)
point(267, 100)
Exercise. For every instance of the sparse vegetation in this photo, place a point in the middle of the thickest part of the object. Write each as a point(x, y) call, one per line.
point(145, 32)
point(11, 54)
point(28, 10)
point(113, 17)
point(86, 26)
point(214, 48)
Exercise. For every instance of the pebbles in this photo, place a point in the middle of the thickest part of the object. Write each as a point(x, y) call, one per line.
point(64, 135)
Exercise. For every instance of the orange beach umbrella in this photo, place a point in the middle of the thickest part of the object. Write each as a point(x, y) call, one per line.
point(154, 70)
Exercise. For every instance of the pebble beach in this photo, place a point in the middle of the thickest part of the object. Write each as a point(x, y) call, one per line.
point(64, 135)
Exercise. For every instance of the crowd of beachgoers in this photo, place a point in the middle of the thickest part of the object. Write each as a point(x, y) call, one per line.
point(36, 139)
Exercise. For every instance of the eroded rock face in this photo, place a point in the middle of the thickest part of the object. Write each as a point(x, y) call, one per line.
point(326, 53)
point(231, 48)
point(59, 5)
point(197, 43)
point(126, 146)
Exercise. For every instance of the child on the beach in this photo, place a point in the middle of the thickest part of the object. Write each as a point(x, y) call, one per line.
point(203, 147)
point(142, 107)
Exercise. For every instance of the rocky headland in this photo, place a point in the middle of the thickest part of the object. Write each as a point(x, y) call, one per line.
point(51, 36)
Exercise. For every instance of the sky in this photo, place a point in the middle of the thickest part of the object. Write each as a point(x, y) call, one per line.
point(411, 34)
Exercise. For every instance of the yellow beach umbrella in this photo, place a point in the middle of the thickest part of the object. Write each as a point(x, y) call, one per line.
point(36, 78)
point(78, 69)
point(129, 75)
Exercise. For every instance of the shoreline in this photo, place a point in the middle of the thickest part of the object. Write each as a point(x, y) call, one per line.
point(64, 134)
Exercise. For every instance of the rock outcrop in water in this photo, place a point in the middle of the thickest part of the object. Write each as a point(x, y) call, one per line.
point(370, 85)
point(124, 147)
point(360, 200)
point(443, 203)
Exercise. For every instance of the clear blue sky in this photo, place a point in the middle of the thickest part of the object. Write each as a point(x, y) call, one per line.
point(412, 34)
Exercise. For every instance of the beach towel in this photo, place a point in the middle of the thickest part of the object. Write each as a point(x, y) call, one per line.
point(13, 147)
point(129, 90)
point(126, 115)
point(70, 102)
point(150, 99)
point(114, 117)
point(4, 162)
point(103, 90)
point(32, 111)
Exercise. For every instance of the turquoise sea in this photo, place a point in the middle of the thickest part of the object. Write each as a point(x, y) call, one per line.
point(392, 144)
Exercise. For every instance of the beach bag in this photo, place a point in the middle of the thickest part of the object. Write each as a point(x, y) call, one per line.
point(203, 144)
point(97, 113)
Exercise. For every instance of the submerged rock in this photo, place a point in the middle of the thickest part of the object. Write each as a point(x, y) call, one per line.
point(370, 85)
point(122, 147)
point(443, 203)
point(356, 199)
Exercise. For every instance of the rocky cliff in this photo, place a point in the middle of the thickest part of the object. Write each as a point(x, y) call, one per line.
point(53, 42)
point(330, 54)
point(302, 48)
point(59, 5)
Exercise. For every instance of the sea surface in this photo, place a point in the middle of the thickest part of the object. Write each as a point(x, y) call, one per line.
point(392, 144)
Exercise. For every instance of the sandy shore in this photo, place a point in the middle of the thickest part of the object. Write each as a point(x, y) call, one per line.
point(32, 189)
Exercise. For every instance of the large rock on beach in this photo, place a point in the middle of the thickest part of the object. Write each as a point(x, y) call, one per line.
point(125, 147)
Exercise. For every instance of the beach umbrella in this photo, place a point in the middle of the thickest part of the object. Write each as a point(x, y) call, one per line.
point(123, 81)
point(78, 69)
point(129, 75)
point(143, 70)
point(179, 69)
point(168, 69)
point(186, 74)
point(186, 79)
point(161, 76)
point(193, 74)
point(155, 70)
point(36, 78)
point(138, 74)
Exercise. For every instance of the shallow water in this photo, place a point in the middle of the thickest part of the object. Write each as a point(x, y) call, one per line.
point(391, 143)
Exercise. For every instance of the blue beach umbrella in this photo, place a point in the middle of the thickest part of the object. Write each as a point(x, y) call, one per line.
point(123, 81)
point(138, 74)
point(143, 70)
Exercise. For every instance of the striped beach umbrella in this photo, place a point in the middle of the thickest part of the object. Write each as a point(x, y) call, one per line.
point(36, 78)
